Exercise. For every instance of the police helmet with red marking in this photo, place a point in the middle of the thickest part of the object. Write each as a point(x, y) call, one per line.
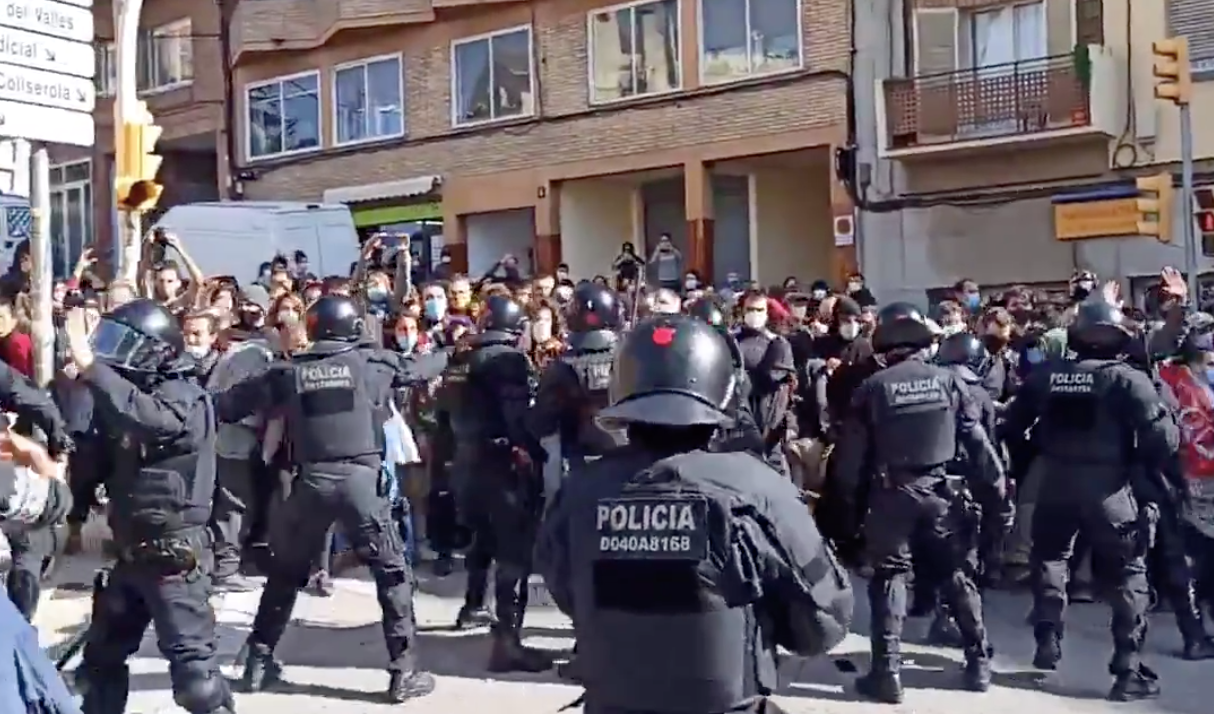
point(671, 370)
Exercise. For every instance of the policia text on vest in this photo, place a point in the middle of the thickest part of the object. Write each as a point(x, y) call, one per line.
point(653, 528)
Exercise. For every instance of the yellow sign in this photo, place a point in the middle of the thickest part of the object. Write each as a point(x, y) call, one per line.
point(1096, 219)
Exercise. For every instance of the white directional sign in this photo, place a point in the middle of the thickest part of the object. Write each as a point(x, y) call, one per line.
point(36, 123)
point(51, 18)
point(47, 63)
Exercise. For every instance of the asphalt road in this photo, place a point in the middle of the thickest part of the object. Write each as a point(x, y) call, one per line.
point(334, 660)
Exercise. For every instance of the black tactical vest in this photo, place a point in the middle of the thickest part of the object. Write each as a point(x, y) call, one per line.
point(593, 370)
point(665, 632)
point(165, 490)
point(333, 417)
point(454, 394)
point(1077, 421)
point(913, 418)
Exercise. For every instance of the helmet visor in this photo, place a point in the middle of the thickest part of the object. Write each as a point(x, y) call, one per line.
point(121, 346)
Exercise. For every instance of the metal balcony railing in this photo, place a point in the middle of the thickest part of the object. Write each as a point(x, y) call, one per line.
point(1012, 99)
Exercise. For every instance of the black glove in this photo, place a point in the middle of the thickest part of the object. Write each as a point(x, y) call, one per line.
point(61, 445)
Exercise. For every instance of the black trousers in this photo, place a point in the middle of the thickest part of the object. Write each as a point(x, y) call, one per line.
point(503, 517)
point(178, 607)
point(349, 494)
point(31, 547)
point(1119, 543)
point(925, 512)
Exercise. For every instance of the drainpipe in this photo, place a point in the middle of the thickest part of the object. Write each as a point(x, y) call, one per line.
point(227, 10)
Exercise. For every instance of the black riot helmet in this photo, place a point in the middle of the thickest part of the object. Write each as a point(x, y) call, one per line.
point(709, 311)
point(593, 307)
point(671, 370)
point(335, 318)
point(1099, 327)
point(962, 348)
point(140, 336)
point(901, 325)
point(502, 314)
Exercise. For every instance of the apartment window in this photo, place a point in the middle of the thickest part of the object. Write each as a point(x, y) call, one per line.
point(493, 77)
point(107, 69)
point(369, 100)
point(283, 115)
point(743, 38)
point(634, 50)
point(166, 57)
point(1007, 35)
point(71, 213)
point(1193, 19)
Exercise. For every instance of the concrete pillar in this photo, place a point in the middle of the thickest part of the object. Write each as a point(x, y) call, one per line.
point(697, 198)
point(455, 239)
point(548, 229)
point(842, 210)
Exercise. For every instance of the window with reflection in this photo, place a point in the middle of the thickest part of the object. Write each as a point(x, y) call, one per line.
point(634, 50)
point(492, 77)
point(370, 100)
point(283, 116)
point(743, 38)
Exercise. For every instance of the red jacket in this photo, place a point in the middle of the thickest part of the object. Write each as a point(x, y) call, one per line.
point(18, 351)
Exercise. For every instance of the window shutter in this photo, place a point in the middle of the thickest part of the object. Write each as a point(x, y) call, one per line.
point(1089, 22)
point(1194, 19)
point(935, 41)
point(1059, 33)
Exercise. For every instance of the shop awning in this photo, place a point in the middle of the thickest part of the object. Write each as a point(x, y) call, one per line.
point(406, 188)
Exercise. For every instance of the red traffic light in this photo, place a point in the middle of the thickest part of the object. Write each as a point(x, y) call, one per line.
point(1205, 220)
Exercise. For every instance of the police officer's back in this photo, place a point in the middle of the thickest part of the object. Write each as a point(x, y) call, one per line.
point(963, 354)
point(336, 395)
point(902, 431)
point(573, 389)
point(160, 423)
point(642, 547)
point(1100, 424)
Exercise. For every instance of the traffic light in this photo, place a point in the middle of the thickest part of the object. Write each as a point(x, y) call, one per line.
point(1203, 213)
point(1155, 201)
point(136, 187)
point(1173, 78)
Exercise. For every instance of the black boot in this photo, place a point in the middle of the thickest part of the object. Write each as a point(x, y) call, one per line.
point(1049, 649)
point(944, 631)
point(411, 684)
point(102, 692)
point(1198, 649)
point(261, 671)
point(509, 655)
point(1197, 644)
point(1135, 685)
point(881, 685)
point(471, 616)
point(473, 613)
point(977, 676)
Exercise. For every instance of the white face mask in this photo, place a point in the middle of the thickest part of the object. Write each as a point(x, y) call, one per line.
point(798, 311)
point(819, 294)
point(952, 328)
point(849, 330)
point(818, 328)
point(197, 351)
point(564, 293)
point(541, 331)
point(690, 283)
point(755, 320)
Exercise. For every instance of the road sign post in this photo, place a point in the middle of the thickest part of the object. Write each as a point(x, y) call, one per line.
point(41, 276)
point(127, 109)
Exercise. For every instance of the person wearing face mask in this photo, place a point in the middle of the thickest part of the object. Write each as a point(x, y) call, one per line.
point(998, 377)
point(667, 263)
point(563, 293)
point(769, 364)
point(201, 330)
point(545, 344)
point(1083, 282)
point(691, 283)
point(857, 291)
point(967, 294)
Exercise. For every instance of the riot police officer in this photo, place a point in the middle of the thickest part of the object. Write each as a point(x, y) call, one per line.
point(1101, 424)
point(642, 547)
point(336, 395)
point(743, 433)
point(499, 490)
point(573, 388)
point(907, 422)
point(32, 543)
point(161, 426)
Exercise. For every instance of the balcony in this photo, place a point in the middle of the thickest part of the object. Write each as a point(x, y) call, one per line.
point(1035, 101)
point(274, 25)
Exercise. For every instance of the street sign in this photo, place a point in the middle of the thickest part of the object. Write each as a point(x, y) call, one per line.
point(47, 63)
point(67, 22)
point(37, 123)
point(53, 90)
point(28, 49)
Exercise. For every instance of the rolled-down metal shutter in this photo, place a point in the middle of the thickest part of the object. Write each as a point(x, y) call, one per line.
point(1194, 19)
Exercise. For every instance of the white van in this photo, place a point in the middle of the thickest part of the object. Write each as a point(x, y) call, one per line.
point(235, 237)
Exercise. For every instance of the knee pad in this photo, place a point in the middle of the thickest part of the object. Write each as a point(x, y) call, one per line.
point(201, 692)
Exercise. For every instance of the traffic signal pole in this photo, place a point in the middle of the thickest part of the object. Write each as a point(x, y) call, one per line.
point(1187, 203)
point(127, 108)
point(42, 280)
